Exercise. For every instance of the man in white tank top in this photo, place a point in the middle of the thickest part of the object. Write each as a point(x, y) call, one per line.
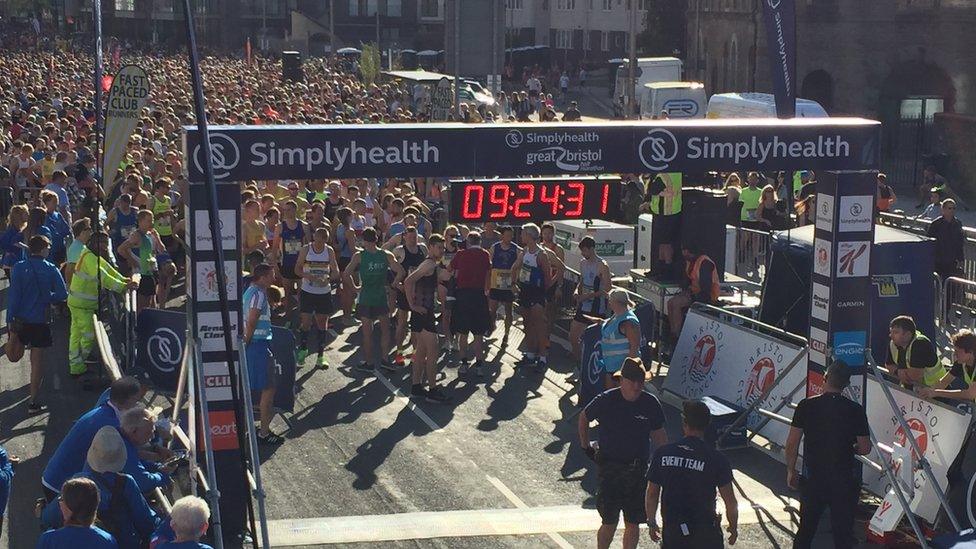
point(318, 268)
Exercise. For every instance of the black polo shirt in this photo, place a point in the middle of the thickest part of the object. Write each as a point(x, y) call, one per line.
point(625, 426)
point(831, 424)
point(689, 472)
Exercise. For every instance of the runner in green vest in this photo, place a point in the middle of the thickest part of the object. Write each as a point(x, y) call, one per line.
point(371, 265)
point(912, 358)
point(964, 349)
point(140, 250)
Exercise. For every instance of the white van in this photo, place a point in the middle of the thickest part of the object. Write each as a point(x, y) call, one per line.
point(757, 105)
point(649, 69)
point(678, 99)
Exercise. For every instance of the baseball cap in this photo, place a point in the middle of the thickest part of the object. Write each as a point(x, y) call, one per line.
point(633, 369)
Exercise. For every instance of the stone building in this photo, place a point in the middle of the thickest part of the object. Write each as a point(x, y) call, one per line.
point(882, 59)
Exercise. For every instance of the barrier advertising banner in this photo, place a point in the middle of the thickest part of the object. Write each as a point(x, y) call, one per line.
point(780, 19)
point(160, 343)
point(715, 358)
point(243, 153)
point(939, 430)
point(128, 95)
point(591, 369)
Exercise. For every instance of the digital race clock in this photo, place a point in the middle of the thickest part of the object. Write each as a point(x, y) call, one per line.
point(525, 200)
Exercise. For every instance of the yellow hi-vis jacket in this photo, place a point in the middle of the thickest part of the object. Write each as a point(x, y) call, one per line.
point(83, 293)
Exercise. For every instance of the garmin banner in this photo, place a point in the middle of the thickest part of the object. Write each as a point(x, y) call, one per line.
point(780, 19)
point(244, 153)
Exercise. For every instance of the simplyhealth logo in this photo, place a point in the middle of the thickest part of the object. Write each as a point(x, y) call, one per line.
point(568, 151)
point(660, 148)
point(226, 154)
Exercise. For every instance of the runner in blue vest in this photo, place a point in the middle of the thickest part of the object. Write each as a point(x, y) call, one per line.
point(292, 237)
point(122, 221)
point(257, 341)
point(620, 336)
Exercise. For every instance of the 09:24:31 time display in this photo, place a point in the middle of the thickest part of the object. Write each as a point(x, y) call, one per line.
point(532, 200)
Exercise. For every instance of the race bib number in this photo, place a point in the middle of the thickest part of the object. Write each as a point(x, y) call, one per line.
point(319, 272)
point(525, 275)
point(126, 231)
point(293, 246)
point(501, 279)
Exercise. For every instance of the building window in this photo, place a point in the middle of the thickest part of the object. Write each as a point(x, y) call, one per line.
point(607, 5)
point(621, 39)
point(514, 4)
point(586, 40)
point(643, 4)
point(604, 41)
point(125, 5)
point(394, 8)
point(366, 8)
point(566, 5)
point(564, 39)
point(430, 8)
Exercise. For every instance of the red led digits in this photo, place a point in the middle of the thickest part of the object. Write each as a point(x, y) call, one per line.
point(552, 200)
point(605, 204)
point(499, 195)
point(517, 209)
point(469, 210)
point(579, 190)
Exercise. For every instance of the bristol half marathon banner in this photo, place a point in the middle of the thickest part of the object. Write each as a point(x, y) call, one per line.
point(518, 150)
point(126, 98)
point(780, 19)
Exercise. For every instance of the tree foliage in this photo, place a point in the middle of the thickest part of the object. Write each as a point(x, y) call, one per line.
point(370, 63)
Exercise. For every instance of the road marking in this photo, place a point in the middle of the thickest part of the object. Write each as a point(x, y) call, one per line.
point(519, 504)
point(408, 403)
point(430, 525)
point(522, 521)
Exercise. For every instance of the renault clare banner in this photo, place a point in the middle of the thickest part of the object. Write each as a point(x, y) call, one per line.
point(518, 150)
point(128, 95)
point(780, 19)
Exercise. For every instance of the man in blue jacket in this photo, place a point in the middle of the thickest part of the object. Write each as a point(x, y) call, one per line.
point(35, 283)
point(69, 459)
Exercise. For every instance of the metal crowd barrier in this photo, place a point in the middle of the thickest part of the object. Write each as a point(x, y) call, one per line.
point(921, 226)
point(751, 254)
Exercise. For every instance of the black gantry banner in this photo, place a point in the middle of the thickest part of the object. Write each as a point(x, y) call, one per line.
point(242, 153)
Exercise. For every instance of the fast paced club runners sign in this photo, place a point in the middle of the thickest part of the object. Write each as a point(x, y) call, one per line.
point(243, 153)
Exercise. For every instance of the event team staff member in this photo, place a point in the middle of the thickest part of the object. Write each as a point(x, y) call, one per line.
point(470, 267)
point(835, 429)
point(702, 287)
point(257, 341)
point(591, 293)
point(685, 475)
point(91, 274)
point(912, 358)
point(629, 419)
point(620, 336)
point(35, 283)
point(963, 367)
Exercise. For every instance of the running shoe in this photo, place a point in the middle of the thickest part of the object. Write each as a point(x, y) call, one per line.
point(322, 362)
point(463, 369)
point(480, 370)
point(525, 361)
point(301, 355)
point(270, 440)
point(541, 366)
point(399, 359)
point(418, 391)
point(437, 396)
point(363, 368)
